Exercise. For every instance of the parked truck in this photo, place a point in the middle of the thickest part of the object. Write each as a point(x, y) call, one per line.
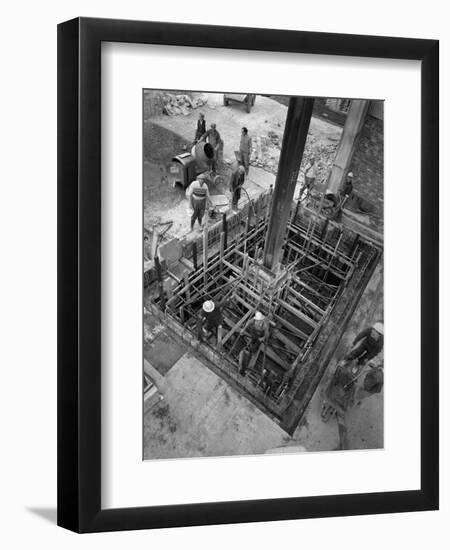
point(246, 99)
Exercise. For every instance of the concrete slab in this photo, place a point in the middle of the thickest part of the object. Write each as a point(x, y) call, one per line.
point(164, 352)
point(162, 349)
point(171, 251)
point(201, 415)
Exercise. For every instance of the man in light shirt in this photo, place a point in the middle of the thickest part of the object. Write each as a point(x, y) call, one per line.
point(198, 195)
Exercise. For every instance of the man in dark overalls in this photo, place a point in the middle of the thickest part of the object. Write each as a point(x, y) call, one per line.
point(245, 149)
point(210, 320)
point(347, 188)
point(212, 136)
point(201, 127)
point(258, 328)
point(236, 183)
point(367, 344)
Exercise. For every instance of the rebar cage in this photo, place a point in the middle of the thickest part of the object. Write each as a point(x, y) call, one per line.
point(323, 266)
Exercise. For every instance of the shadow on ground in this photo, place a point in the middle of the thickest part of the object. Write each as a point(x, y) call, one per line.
point(48, 514)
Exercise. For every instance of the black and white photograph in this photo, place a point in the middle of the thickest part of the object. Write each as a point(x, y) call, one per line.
point(226, 266)
point(263, 325)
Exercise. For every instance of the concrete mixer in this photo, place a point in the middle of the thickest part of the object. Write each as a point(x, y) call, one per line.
point(185, 167)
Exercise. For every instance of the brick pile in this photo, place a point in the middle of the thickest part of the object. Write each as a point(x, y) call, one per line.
point(181, 104)
point(266, 154)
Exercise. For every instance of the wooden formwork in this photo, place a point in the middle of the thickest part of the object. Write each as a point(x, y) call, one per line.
point(323, 268)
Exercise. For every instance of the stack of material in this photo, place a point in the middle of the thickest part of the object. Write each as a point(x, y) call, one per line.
point(266, 154)
point(181, 104)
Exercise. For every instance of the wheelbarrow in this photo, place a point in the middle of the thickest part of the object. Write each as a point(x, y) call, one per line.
point(219, 205)
point(340, 392)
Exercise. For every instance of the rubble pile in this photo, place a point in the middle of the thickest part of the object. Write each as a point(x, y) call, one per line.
point(266, 154)
point(181, 104)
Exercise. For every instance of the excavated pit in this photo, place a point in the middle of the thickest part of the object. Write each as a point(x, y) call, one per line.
point(309, 300)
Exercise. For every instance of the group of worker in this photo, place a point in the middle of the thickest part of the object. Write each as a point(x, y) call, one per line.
point(211, 319)
point(198, 191)
point(310, 181)
point(366, 345)
point(212, 136)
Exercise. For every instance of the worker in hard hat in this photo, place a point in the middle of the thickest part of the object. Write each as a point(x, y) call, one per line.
point(333, 204)
point(367, 343)
point(258, 328)
point(236, 184)
point(210, 320)
point(347, 188)
point(198, 196)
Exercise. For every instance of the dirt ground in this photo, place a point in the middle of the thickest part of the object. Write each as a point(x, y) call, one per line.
point(166, 136)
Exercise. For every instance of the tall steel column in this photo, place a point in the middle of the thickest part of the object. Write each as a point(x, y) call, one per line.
point(352, 128)
point(294, 139)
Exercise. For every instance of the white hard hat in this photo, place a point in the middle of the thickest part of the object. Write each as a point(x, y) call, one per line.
point(259, 316)
point(379, 327)
point(350, 174)
point(208, 306)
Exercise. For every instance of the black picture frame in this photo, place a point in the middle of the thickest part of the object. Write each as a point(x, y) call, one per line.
point(79, 274)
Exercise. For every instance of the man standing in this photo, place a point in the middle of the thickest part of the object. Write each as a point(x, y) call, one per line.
point(236, 183)
point(367, 344)
point(258, 329)
point(347, 188)
point(201, 127)
point(198, 195)
point(210, 320)
point(214, 139)
point(245, 149)
point(310, 174)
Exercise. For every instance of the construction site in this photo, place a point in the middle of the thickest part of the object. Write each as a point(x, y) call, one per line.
point(294, 249)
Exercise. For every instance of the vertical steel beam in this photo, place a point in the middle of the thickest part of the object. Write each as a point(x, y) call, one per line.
point(154, 241)
point(352, 129)
point(162, 296)
point(294, 139)
point(225, 229)
point(194, 255)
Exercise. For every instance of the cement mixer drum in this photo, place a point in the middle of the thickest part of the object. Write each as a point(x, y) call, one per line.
point(202, 151)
